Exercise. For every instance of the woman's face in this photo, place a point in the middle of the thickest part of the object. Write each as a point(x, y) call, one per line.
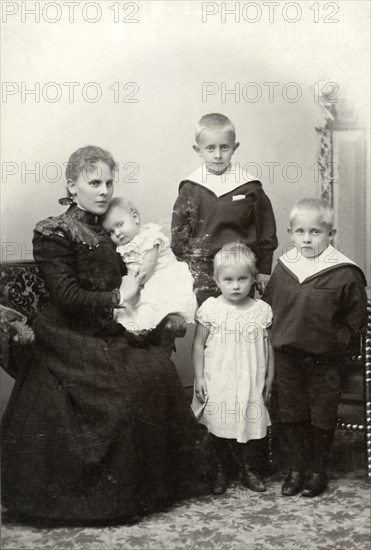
point(93, 188)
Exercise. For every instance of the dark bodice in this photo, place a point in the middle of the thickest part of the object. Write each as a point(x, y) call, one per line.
point(81, 268)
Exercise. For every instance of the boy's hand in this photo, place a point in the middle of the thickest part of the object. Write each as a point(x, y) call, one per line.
point(201, 389)
point(261, 282)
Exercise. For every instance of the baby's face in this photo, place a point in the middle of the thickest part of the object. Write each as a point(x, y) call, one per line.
point(121, 226)
point(310, 234)
point(216, 149)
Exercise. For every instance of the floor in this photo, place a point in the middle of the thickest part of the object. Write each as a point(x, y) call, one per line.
point(339, 519)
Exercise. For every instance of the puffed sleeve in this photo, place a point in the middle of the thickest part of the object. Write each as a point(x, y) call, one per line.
point(207, 315)
point(152, 236)
point(56, 257)
point(265, 314)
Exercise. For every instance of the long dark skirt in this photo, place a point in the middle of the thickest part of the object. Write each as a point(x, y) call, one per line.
point(98, 429)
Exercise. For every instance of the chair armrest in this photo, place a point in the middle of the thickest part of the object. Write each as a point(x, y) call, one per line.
point(175, 325)
point(14, 324)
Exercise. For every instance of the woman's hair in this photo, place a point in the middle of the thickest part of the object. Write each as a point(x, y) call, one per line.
point(322, 208)
point(214, 122)
point(235, 253)
point(85, 157)
point(124, 204)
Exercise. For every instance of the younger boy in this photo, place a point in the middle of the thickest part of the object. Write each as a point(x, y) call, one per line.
point(319, 306)
point(218, 204)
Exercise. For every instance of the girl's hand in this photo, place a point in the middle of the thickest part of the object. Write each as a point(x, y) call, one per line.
point(267, 391)
point(201, 389)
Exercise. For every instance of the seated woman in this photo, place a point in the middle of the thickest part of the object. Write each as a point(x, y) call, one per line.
point(97, 428)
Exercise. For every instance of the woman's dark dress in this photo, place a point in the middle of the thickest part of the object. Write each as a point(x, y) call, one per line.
point(96, 428)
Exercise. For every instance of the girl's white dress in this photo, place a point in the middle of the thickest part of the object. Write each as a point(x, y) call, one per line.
point(169, 290)
point(235, 359)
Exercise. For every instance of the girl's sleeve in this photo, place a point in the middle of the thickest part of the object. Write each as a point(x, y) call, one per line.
point(266, 232)
point(266, 315)
point(202, 315)
point(152, 236)
point(182, 223)
point(57, 260)
point(207, 316)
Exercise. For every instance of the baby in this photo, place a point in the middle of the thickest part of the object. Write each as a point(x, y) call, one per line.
point(167, 284)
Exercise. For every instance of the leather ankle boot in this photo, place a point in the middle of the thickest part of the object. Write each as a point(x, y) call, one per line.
point(293, 484)
point(315, 484)
point(220, 485)
point(252, 480)
point(317, 481)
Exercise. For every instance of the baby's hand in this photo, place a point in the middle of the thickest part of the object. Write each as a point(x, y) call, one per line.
point(201, 389)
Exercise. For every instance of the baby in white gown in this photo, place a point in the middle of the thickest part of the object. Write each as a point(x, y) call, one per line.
point(168, 284)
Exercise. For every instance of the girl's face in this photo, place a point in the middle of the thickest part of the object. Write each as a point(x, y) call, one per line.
point(93, 189)
point(121, 226)
point(235, 281)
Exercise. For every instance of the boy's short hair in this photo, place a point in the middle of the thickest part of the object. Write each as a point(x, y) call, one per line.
point(214, 122)
point(124, 204)
point(85, 157)
point(322, 208)
point(234, 253)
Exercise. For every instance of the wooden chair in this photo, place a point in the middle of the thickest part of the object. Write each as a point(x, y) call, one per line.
point(355, 405)
point(23, 293)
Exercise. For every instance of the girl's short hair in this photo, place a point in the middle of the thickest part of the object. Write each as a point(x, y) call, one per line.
point(235, 253)
point(124, 204)
point(322, 208)
point(85, 157)
point(214, 122)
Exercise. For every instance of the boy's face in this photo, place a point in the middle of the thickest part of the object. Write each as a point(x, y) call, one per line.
point(93, 189)
point(310, 234)
point(216, 149)
point(121, 226)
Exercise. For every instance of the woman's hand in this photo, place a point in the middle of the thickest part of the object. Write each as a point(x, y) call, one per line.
point(131, 287)
point(201, 389)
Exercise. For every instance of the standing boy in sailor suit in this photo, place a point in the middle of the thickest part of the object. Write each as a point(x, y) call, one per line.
point(319, 312)
point(219, 204)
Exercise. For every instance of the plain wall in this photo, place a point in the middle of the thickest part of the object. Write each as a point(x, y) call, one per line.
point(169, 54)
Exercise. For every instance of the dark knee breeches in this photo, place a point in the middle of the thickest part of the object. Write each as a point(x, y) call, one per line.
point(308, 388)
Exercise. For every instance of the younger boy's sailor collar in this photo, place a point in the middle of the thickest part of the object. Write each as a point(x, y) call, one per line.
point(220, 184)
point(304, 268)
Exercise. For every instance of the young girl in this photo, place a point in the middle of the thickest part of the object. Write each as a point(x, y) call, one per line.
point(220, 203)
point(234, 365)
point(167, 286)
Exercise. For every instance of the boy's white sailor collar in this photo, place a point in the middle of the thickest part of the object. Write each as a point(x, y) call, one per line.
point(303, 268)
point(221, 184)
